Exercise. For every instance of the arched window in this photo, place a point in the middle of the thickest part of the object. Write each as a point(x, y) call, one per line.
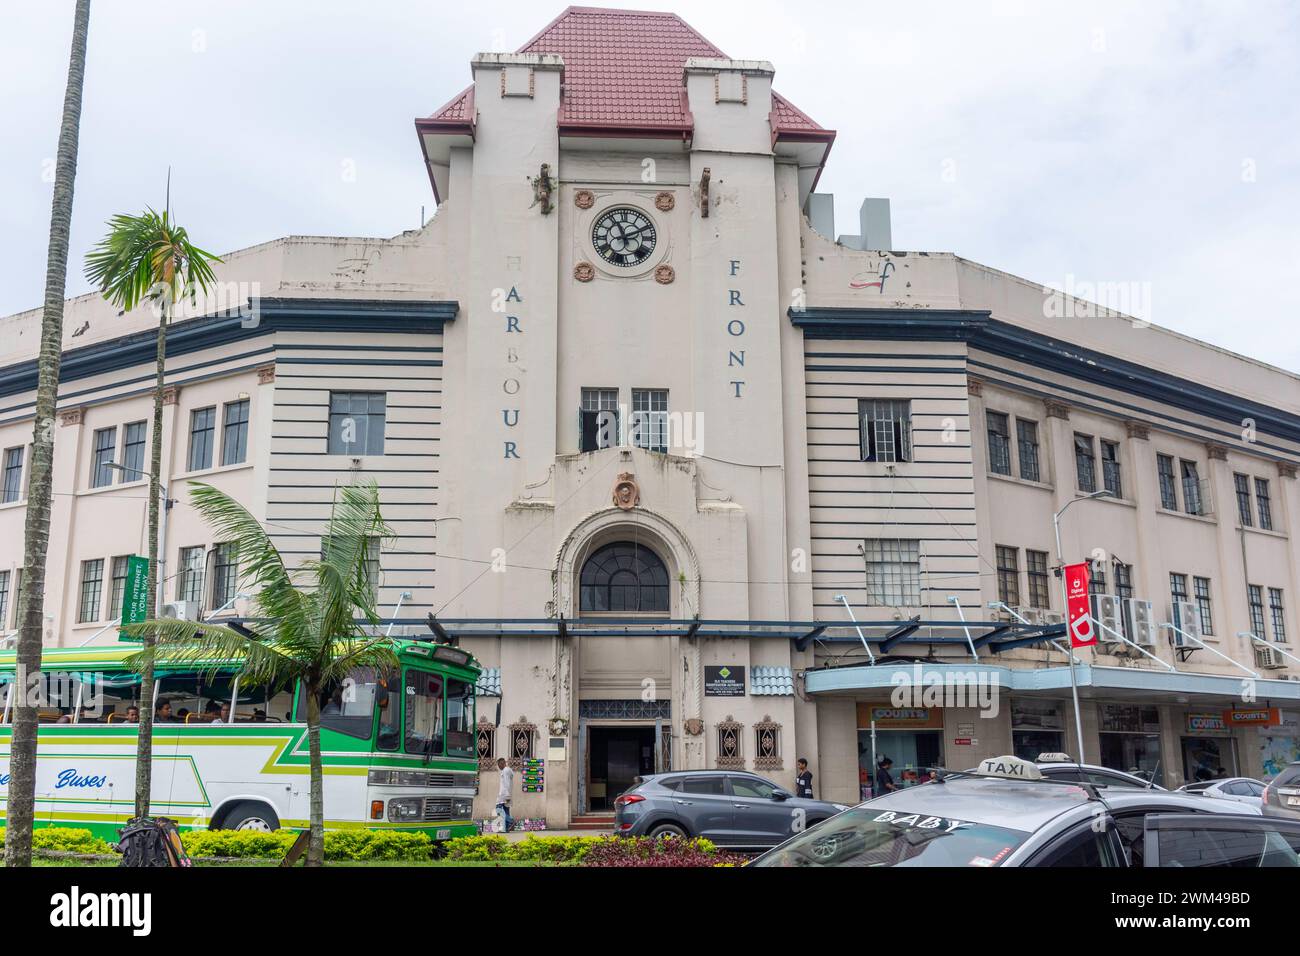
point(624, 577)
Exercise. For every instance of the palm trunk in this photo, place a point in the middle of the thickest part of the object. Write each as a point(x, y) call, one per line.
point(36, 534)
point(316, 842)
point(144, 743)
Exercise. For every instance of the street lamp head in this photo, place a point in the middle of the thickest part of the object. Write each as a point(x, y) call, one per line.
point(839, 597)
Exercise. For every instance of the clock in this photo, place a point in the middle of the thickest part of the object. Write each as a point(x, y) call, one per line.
point(623, 236)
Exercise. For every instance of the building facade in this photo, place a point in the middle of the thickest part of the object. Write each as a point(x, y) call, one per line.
point(649, 445)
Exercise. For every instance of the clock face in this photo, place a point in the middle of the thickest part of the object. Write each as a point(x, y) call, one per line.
point(623, 236)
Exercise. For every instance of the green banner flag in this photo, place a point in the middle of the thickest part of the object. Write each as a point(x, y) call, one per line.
point(135, 598)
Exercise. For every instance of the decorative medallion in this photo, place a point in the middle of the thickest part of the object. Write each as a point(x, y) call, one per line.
point(694, 726)
point(665, 274)
point(557, 726)
point(265, 374)
point(627, 495)
point(584, 199)
point(665, 201)
point(584, 272)
point(72, 416)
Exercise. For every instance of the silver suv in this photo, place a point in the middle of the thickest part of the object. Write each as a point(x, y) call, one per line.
point(729, 807)
point(1282, 795)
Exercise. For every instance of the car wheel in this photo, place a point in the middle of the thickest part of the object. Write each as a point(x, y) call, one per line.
point(248, 815)
point(666, 831)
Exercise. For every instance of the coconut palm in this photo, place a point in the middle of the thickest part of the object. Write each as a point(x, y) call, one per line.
point(149, 258)
point(36, 531)
point(315, 616)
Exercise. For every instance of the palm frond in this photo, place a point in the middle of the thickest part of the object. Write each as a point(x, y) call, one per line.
point(143, 255)
point(204, 648)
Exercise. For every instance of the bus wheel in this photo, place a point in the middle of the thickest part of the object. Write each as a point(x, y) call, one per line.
point(250, 816)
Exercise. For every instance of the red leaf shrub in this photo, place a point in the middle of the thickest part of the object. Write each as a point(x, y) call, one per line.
point(643, 851)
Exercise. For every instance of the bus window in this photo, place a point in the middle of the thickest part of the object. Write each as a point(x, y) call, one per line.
point(460, 717)
point(423, 713)
point(388, 700)
point(347, 707)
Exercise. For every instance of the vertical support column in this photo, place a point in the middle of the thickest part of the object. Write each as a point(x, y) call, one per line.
point(1150, 582)
point(1231, 598)
point(1288, 496)
point(979, 456)
point(60, 578)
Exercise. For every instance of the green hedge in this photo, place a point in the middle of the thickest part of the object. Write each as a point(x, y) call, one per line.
point(339, 844)
point(571, 849)
point(66, 840)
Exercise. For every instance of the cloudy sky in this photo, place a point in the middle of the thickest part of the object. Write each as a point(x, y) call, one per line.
point(1152, 145)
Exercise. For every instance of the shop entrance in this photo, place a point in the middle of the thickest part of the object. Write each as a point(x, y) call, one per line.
point(616, 756)
point(1209, 758)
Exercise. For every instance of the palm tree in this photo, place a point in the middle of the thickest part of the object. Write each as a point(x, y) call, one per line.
point(149, 257)
point(36, 531)
point(315, 616)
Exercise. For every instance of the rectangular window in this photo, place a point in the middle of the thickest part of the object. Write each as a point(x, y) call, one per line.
point(1192, 502)
point(1036, 571)
point(189, 579)
point(104, 447)
point(650, 418)
point(203, 428)
point(1265, 504)
point(234, 433)
point(371, 560)
point(1085, 463)
point(999, 443)
point(1124, 591)
point(885, 430)
point(893, 572)
point(1168, 485)
point(117, 591)
point(1008, 575)
point(357, 423)
point(1096, 586)
point(1027, 441)
point(1241, 483)
point(1177, 595)
point(225, 575)
point(4, 599)
point(1110, 470)
point(133, 440)
point(92, 588)
point(13, 474)
point(1275, 609)
point(1201, 587)
point(1255, 599)
point(598, 419)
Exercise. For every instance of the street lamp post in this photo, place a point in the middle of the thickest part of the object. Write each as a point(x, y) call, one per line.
point(1065, 606)
point(162, 529)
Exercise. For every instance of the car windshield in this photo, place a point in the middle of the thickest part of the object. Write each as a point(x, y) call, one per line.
point(869, 836)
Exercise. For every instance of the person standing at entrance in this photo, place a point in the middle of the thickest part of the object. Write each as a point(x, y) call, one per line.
point(803, 779)
point(503, 792)
point(884, 779)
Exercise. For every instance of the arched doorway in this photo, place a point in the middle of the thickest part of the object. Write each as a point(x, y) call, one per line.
point(623, 577)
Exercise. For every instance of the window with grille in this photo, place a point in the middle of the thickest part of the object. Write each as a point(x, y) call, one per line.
point(1192, 502)
point(225, 574)
point(485, 737)
point(1124, 591)
point(117, 590)
point(1085, 463)
point(1265, 504)
point(1275, 609)
point(650, 418)
point(999, 443)
point(234, 433)
point(1241, 484)
point(893, 571)
point(730, 752)
point(1027, 442)
point(4, 599)
point(1177, 587)
point(1255, 600)
point(13, 474)
point(1096, 586)
point(767, 745)
point(1201, 588)
point(356, 425)
point(1008, 561)
point(1110, 468)
point(189, 578)
point(203, 429)
point(1168, 484)
point(92, 589)
point(104, 447)
point(1037, 572)
point(624, 576)
point(522, 737)
point(885, 430)
point(598, 419)
point(133, 441)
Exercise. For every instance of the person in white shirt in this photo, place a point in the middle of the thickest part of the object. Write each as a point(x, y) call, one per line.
point(503, 791)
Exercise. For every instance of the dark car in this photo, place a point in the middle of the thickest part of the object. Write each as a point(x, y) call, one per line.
point(1282, 795)
point(729, 807)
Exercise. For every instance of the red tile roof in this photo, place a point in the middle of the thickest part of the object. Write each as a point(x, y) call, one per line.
point(623, 71)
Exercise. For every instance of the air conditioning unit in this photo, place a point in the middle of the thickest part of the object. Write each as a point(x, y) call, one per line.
point(1053, 617)
point(1108, 616)
point(1268, 659)
point(1032, 615)
point(181, 611)
point(1143, 620)
point(1184, 616)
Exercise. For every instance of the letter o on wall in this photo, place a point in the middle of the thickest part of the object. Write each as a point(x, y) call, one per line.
point(736, 327)
point(510, 386)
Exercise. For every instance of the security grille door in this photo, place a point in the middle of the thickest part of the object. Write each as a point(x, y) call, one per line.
point(664, 746)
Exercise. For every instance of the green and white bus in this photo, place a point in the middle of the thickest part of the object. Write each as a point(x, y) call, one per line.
point(399, 750)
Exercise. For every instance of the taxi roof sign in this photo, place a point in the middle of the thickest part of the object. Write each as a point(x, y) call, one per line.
point(1055, 758)
point(1010, 768)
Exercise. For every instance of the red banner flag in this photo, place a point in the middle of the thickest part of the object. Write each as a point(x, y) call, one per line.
point(1082, 633)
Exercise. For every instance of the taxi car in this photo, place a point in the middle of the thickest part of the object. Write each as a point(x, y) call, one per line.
point(1007, 813)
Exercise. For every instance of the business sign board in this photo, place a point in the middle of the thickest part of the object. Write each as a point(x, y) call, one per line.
point(725, 680)
point(1082, 633)
point(135, 597)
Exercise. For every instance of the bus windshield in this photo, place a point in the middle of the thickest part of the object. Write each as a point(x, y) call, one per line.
point(460, 718)
point(423, 712)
